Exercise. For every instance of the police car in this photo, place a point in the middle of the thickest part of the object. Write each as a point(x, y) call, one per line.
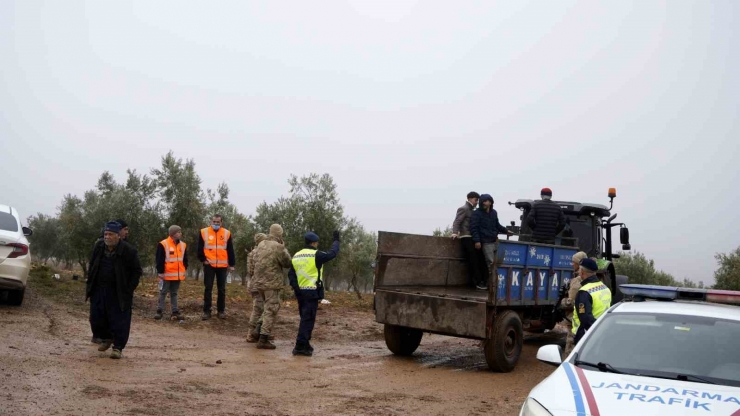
point(669, 351)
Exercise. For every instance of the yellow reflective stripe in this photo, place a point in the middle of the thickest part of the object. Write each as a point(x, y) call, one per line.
point(219, 262)
point(304, 264)
point(172, 274)
point(173, 259)
point(601, 299)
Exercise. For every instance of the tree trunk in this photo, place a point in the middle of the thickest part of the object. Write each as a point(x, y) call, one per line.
point(354, 285)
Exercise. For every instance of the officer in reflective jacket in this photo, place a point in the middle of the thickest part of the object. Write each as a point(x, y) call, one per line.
point(592, 300)
point(305, 279)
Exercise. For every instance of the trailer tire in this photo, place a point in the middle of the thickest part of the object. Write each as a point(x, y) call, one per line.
point(402, 340)
point(503, 350)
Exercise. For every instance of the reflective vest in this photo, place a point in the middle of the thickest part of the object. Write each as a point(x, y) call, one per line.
point(304, 264)
point(214, 246)
point(601, 299)
point(603, 264)
point(174, 268)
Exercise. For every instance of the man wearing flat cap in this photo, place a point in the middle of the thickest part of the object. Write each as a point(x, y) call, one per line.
point(592, 300)
point(112, 277)
point(172, 266)
point(305, 279)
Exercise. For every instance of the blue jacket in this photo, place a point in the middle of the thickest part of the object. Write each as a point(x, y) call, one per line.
point(484, 226)
point(321, 258)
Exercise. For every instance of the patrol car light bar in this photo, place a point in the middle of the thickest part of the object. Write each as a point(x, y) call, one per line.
point(650, 292)
point(681, 293)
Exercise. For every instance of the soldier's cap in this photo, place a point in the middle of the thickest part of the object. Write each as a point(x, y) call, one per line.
point(123, 223)
point(311, 237)
point(589, 264)
point(113, 227)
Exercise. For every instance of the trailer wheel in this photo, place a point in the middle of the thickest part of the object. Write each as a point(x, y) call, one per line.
point(503, 350)
point(402, 340)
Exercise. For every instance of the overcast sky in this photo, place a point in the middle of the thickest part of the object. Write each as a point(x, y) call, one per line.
point(408, 105)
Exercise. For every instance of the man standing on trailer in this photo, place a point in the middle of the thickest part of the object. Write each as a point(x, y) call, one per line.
point(461, 230)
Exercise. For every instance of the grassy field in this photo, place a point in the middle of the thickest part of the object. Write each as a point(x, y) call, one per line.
point(72, 292)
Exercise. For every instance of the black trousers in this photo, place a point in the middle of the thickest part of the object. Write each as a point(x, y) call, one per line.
point(475, 262)
point(307, 308)
point(107, 320)
point(219, 274)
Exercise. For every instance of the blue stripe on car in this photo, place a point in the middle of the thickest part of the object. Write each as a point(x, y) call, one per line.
point(580, 409)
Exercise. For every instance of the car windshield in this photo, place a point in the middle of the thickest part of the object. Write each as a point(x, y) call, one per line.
point(8, 222)
point(665, 345)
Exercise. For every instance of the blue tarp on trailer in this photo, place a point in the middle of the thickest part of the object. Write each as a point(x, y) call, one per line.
point(531, 273)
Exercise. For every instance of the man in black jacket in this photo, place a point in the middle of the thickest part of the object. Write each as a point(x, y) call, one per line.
point(546, 219)
point(112, 277)
point(485, 228)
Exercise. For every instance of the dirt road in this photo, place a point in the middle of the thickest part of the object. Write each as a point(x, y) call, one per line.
point(49, 366)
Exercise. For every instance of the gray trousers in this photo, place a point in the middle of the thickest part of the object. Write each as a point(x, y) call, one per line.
point(489, 251)
point(171, 287)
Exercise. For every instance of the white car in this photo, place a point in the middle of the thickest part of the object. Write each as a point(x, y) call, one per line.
point(670, 351)
point(15, 258)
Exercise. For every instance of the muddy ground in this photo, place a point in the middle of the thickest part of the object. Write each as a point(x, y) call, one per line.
point(48, 365)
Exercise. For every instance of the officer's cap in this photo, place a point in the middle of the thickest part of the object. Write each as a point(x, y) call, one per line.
point(311, 237)
point(589, 264)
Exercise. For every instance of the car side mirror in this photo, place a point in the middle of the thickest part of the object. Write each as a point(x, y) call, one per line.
point(550, 354)
point(624, 235)
point(27, 231)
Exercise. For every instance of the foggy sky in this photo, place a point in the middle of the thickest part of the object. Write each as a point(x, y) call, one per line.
point(408, 105)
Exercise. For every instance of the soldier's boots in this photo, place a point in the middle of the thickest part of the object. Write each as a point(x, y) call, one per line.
point(303, 349)
point(254, 334)
point(176, 316)
point(158, 315)
point(264, 343)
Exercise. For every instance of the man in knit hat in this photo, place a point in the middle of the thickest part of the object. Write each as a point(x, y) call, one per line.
point(172, 265)
point(112, 276)
point(257, 302)
point(270, 258)
point(546, 219)
point(567, 304)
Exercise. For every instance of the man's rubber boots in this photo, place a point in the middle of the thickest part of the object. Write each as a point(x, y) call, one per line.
point(254, 335)
point(264, 343)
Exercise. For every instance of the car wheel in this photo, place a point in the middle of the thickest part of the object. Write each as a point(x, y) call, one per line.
point(15, 297)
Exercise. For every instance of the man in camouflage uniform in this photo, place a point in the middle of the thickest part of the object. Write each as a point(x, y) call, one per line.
point(567, 304)
point(257, 302)
point(270, 258)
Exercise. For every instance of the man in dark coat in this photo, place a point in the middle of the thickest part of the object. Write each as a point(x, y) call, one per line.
point(546, 219)
point(461, 230)
point(112, 277)
point(485, 228)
